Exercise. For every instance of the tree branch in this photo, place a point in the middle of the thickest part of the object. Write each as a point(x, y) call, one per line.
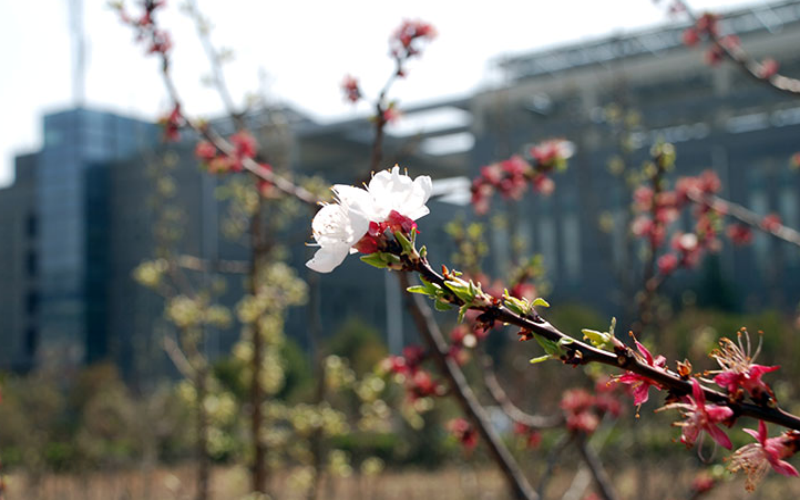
point(460, 388)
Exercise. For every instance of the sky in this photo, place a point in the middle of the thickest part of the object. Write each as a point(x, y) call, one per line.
point(295, 52)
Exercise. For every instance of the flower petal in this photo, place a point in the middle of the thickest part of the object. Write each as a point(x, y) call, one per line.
point(719, 436)
point(783, 467)
point(327, 258)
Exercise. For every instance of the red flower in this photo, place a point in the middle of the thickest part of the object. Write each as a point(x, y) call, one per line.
point(771, 223)
point(160, 42)
point(205, 151)
point(351, 89)
point(551, 153)
point(172, 124)
point(245, 144)
point(543, 184)
point(701, 417)
point(703, 483)
point(714, 55)
point(464, 432)
point(768, 69)
point(707, 23)
point(690, 37)
point(640, 385)
point(755, 459)
point(533, 438)
point(738, 370)
point(391, 114)
point(740, 234)
point(667, 263)
point(578, 406)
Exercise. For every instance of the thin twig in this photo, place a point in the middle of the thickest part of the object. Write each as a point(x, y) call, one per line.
point(746, 216)
point(604, 484)
point(746, 62)
point(552, 460)
point(511, 410)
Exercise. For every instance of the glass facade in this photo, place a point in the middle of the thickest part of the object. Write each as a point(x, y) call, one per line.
point(74, 141)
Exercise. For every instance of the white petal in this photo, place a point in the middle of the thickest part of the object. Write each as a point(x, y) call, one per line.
point(327, 258)
point(415, 203)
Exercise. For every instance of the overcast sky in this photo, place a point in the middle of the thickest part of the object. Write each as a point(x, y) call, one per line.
point(304, 47)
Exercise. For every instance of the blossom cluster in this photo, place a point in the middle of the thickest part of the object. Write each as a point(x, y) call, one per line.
point(172, 123)
point(407, 369)
point(364, 220)
point(511, 177)
point(656, 212)
point(583, 410)
point(406, 40)
point(159, 41)
point(707, 27)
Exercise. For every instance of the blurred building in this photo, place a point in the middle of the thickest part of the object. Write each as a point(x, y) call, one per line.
point(717, 117)
point(56, 226)
point(79, 221)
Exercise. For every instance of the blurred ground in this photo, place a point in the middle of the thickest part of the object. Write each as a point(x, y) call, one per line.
point(448, 484)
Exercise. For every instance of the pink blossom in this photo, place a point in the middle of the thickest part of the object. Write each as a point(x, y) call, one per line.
point(640, 385)
point(755, 459)
point(690, 37)
point(352, 91)
point(701, 417)
point(768, 69)
point(464, 432)
point(739, 372)
point(667, 263)
point(740, 234)
point(771, 222)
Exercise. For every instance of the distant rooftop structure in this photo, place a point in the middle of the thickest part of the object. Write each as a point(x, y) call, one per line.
point(768, 17)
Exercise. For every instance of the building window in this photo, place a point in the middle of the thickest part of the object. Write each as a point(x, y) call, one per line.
point(31, 264)
point(31, 226)
point(31, 341)
point(32, 303)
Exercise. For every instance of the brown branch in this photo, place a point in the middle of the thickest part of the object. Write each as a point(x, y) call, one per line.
point(178, 358)
point(205, 131)
point(217, 74)
point(511, 410)
point(459, 387)
point(552, 459)
point(580, 353)
point(745, 216)
point(649, 278)
point(604, 484)
point(746, 62)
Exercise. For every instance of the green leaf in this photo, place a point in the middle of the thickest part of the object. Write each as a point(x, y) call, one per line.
point(551, 348)
point(418, 289)
point(408, 248)
point(375, 260)
point(461, 312)
point(461, 289)
point(540, 302)
point(540, 359)
point(442, 306)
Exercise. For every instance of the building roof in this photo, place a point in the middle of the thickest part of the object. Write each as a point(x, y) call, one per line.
point(761, 17)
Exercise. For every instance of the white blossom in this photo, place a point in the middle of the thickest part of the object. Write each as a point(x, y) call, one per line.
point(337, 227)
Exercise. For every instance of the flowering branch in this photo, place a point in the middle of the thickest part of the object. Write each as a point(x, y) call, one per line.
point(160, 44)
point(765, 72)
point(426, 325)
point(576, 352)
point(769, 224)
point(405, 44)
